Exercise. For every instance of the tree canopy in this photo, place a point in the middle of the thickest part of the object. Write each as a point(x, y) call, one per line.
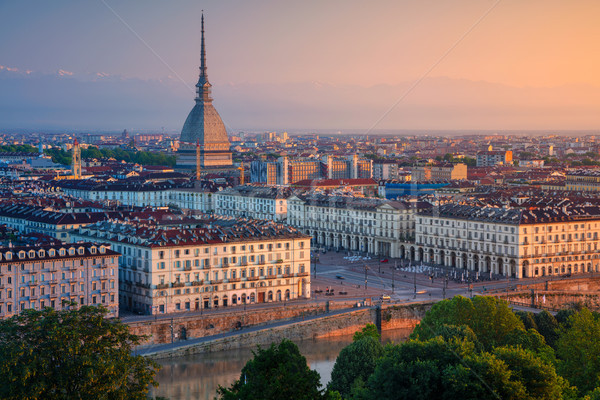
point(278, 372)
point(138, 157)
point(71, 354)
point(356, 362)
point(489, 317)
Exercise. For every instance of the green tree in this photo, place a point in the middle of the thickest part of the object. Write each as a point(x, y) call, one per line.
point(71, 354)
point(355, 361)
point(547, 326)
point(578, 349)
point(528, 319)
point(436, 369)
point(490, 319)
point(593, 395)
point(368, 330)
point(532, 341)
point(279, 372)
point(538, 377)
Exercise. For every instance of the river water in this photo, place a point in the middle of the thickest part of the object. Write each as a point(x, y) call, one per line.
point(197, 377)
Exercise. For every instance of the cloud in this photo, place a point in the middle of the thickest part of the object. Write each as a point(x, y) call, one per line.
point(63, 72)
point(12, 69)
point(102, 74)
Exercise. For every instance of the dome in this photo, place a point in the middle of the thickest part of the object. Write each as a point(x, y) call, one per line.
point(204, 125)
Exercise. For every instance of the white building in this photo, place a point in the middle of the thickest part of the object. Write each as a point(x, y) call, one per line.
point(520, 243)
point(218, 262)
point(253, 202)
point(354, 223)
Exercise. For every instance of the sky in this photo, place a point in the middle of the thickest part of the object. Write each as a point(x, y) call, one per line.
point(347, 64)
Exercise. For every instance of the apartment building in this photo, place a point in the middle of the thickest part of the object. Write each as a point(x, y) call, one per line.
point(520, 243)
point(205, 262)
point(582, 180)
point(254, 202)
point(35, 277)
point(491, 158)
point(442, 172)
point(354, 223)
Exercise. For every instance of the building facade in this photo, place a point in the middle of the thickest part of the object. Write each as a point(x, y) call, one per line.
point(167, 269)
point(53, 276)
point(444, 172)
point(582, 180)
point(359, 224)
point(256, 202)
point(491, 158)
point(513, 242)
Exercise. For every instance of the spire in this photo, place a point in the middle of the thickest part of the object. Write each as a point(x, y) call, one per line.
point(203, 54)
point(203, 86)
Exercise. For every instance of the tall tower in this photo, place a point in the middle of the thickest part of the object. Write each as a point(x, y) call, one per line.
point(204, 125)
point(76, 160)
point(242, 176)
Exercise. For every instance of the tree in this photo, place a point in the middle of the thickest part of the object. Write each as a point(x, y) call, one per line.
point(547, 326)
point(439, 369)
point(279, 372)
point(490, 319)
point(436, 369)
point(355, 361)
point(368, 330)
point(578, 349)
point(538, 377)
point(71, 354)
point(528, 319)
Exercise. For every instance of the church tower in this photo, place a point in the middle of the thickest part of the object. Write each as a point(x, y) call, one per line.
point(204, 126)
point(76, 160)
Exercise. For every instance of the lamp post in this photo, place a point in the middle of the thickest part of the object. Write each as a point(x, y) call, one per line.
point(393, 272)
point(415, 283)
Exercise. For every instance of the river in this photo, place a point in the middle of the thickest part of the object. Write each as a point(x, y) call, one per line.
point(196, 377)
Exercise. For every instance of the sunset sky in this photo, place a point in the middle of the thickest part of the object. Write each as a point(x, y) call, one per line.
point(541, 45)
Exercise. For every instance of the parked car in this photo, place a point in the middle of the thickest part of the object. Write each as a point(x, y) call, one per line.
point(386, 297)
point(385, 260)
point(339, 277)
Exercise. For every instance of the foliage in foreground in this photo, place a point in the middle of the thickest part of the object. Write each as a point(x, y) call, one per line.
point(279, 372)
point(480, 349)
point(71, 354)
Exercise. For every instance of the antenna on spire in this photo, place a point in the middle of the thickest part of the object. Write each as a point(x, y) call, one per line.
point(202, 51)
point(203, 86)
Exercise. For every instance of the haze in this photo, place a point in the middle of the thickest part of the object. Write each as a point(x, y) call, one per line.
point(302, 65)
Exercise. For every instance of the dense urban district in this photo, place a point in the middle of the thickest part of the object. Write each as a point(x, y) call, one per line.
point(114, 244)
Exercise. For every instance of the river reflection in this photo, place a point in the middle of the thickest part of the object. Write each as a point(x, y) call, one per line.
point(198, 376)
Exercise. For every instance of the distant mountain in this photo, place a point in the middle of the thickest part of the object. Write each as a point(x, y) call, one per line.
point(67, 101)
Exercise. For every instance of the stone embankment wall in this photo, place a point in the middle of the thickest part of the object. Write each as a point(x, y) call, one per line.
point(558, 293)
point(389, 317)
point(196, 326)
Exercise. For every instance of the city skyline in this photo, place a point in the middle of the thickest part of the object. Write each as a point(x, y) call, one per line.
point(469, 65)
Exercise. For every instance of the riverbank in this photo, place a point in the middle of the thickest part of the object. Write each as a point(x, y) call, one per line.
point(331, 324)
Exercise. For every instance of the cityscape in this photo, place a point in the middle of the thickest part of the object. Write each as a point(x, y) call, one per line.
point(167, 239)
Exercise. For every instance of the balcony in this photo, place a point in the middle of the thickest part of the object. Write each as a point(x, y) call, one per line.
point(252, 278)
point(162, 286)
point(187, 268)
point(177, 284)
point(197, 283)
